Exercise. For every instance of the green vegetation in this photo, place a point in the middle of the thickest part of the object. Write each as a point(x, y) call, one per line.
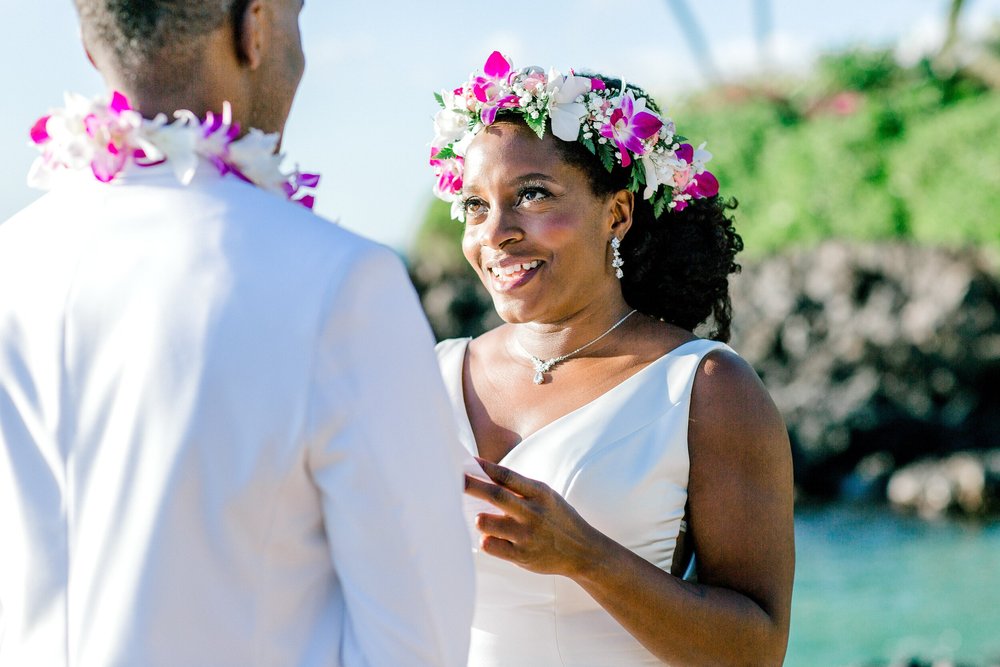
point(439, 239)
point(864, 150)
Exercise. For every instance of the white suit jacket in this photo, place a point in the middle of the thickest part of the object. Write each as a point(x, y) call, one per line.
point(224, 439)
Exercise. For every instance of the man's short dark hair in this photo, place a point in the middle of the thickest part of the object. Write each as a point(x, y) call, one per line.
point(141, 32)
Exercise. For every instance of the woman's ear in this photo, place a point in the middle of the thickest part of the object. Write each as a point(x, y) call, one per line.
point(249, 22)
point(620, 209)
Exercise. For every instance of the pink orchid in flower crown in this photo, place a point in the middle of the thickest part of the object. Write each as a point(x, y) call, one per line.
point(691, 177)
point(629, 125)
point(449, 172)
point(703, 185)
point(488, 87)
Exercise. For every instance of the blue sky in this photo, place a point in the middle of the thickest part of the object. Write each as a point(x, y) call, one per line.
point(363, 113)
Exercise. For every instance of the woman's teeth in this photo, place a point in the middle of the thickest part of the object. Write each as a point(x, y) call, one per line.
point(501, 271)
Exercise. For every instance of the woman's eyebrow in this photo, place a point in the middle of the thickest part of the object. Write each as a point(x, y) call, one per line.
point(534, 176)
point(517, 180)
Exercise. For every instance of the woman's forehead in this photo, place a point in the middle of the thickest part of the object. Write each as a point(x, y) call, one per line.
point(507, 151)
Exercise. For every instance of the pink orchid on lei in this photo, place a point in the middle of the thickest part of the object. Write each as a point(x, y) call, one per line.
point(614, 125)
point(105, 135)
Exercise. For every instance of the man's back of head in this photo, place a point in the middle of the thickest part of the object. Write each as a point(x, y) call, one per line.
point(166, 55)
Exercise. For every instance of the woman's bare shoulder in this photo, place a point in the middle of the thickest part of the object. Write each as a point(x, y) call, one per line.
point(727, 391)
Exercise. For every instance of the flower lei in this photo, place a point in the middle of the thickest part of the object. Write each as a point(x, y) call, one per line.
point(612, 124)
point(105, 135)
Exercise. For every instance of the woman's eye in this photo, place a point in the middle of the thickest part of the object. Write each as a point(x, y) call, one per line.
point(529, 195)
point(474, 207)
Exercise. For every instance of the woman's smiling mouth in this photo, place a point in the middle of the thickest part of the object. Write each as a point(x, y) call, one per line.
point(508, 276)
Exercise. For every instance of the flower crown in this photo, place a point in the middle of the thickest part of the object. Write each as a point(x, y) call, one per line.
point(105, 135)
point(612, 124)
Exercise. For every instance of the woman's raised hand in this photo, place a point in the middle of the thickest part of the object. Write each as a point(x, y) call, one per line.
point(537, 530)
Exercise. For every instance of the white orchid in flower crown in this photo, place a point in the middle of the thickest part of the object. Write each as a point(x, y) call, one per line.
point(614, 125)
point(104, 136)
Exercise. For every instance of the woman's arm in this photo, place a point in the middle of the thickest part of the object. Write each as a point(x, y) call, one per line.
point(740, 500)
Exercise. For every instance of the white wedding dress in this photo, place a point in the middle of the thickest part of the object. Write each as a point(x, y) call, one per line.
point(622, 462)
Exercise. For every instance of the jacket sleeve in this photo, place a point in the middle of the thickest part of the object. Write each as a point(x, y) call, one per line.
point(385, 457)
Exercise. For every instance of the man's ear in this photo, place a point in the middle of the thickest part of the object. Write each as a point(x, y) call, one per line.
point(249, 18)
point(86, 49)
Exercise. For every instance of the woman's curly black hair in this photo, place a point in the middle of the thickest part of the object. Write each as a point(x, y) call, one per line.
point(677, 267)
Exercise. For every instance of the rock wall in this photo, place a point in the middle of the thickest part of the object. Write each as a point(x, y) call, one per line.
point(877, 355)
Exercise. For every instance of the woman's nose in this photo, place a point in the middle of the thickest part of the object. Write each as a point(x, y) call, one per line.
point(500, 228)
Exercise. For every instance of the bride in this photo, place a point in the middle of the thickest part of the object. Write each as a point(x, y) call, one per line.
point(615, 445)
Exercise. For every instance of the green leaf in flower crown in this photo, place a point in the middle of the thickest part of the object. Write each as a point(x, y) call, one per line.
point(638, 176)
point(659, 204)
point(536, 124)
point(445, 153)
point(607, 159)
point(440, 100)
point(589, 144)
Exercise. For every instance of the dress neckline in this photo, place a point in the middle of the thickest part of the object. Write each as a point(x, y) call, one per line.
point(466, 422)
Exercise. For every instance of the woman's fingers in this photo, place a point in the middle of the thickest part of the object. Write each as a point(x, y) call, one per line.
point(507, 478)
point(500, 548)
point(494, 494)
point(538, 529)
point(502, 526)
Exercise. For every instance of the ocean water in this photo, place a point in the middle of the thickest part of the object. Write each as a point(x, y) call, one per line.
point(872, 587)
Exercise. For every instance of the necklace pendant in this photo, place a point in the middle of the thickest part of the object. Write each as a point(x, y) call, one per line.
point(543, 366)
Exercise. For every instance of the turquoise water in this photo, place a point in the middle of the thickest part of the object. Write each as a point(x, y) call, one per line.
point(871, 586)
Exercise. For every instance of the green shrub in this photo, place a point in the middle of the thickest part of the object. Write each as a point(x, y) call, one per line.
point(904, 156)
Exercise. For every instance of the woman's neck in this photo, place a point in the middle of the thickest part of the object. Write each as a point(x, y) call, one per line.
point(549, 340)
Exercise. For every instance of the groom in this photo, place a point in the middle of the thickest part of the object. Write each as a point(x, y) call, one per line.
point(223, 437)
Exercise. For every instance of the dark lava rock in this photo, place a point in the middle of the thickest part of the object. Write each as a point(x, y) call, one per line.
point(965, 484)
point(876, 355)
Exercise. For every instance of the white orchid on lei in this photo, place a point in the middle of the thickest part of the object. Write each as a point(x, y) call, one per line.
point(106, 135)
point(614, 125)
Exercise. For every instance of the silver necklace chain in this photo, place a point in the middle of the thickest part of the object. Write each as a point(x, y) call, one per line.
point(543, 366)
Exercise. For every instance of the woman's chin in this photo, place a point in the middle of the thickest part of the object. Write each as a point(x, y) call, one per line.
point(514, 306)
point(512, 310)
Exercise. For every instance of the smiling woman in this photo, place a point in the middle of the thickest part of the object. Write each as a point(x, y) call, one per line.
point(615, 442)
point(515, 182)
